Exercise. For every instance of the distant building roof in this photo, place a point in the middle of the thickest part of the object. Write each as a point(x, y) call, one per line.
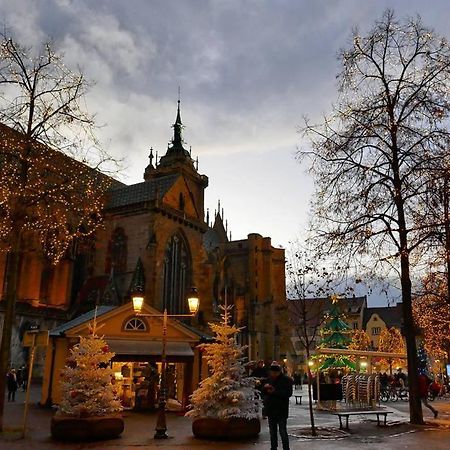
point(317, 307)
point(141, 192)
point(392, 316)
point(61, 329)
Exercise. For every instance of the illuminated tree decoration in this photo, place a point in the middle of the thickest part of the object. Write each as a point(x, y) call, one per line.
point(86, 380)
point(336, 334)
point(360, 341)
point(391, 341)
point(227, 392)
point(432, 316)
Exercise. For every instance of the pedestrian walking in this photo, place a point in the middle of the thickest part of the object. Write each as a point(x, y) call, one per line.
point(277, 389)
point(424, 386)
point(12, 385)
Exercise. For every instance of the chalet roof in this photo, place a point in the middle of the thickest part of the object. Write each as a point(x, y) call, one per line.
point(61, 329)
point(141, 192)
point(392, 316)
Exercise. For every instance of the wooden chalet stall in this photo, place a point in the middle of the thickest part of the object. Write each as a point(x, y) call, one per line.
point(137, 343)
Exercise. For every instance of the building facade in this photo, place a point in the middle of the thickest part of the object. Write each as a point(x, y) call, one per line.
point(158, 239)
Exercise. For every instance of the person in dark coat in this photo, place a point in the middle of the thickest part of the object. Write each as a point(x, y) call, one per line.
point(260, 370)
point(277, 389)
point(12, 385)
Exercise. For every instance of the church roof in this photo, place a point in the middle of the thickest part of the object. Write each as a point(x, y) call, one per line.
point(141, 192)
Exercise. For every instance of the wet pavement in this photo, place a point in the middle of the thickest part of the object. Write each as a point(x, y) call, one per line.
point(139, 429)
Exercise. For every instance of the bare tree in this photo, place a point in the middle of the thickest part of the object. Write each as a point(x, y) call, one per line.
point(46, 197)
point(372, 159)
point(306, 282)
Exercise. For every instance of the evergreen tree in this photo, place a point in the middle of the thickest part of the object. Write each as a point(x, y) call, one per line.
point(336, 333)
point(423, 361)
point(86, 380)
point(227, 392)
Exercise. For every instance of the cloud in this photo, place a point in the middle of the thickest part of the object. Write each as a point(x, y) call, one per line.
point(248, 70)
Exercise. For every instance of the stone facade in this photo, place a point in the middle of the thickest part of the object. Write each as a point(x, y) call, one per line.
point(156, 239)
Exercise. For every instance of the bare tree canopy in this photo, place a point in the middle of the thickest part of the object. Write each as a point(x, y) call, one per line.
point(48, 195)
point(373, 158)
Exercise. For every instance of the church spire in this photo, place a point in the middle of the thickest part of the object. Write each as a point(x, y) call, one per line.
point(178, 125)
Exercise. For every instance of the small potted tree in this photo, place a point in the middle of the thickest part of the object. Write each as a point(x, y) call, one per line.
point(89, 407)
point(226, 405)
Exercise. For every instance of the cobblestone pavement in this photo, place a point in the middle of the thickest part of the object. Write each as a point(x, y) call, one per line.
point(139, 431)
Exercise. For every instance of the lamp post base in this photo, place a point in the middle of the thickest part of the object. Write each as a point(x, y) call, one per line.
point(161, 427)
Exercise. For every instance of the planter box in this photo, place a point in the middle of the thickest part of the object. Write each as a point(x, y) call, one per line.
point(228, 429)
point(65, 428)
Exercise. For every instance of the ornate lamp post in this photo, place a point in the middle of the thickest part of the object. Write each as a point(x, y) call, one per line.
point(193, 304)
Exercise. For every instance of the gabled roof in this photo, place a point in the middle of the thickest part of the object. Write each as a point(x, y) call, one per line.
point(392, 316)
point(61, 329)
point(141, 192)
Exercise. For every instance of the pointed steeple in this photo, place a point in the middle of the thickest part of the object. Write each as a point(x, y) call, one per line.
point(137, 284)
point(176, 153)
point(177, 129)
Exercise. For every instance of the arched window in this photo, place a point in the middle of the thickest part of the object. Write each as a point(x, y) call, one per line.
point(117, 252)
point(135, 324)
point(177, 275)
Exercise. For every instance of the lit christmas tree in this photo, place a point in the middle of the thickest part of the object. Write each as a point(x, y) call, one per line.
point(336, 334)
point(86, 380)
point(227, 392)
point(422, 359)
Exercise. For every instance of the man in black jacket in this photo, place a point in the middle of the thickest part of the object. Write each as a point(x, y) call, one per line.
point(276, 390)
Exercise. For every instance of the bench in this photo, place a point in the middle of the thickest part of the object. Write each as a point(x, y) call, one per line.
point(298, 399)
point(347, 414)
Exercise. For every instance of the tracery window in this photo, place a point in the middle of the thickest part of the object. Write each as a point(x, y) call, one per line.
point(117, 252)
point(177, 275)
point(135, 324)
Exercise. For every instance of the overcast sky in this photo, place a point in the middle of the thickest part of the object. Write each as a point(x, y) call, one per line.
point(248, 70)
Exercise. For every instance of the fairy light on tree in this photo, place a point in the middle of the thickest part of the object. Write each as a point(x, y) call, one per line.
point(373, 158)
point(46, 197)
point(391, 341)
point(432, 315)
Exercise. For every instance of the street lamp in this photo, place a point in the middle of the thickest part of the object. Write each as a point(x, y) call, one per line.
point(193, 304)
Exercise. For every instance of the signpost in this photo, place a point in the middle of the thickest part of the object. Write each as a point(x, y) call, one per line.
point(32, 338)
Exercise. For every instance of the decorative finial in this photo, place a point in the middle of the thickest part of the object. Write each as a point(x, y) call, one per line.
point(196, 164)
point(150, 157)
point(207, 216)
point(334, 299)
point(226, 226)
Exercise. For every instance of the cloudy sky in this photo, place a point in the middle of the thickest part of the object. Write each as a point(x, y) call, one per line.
point(249, 70)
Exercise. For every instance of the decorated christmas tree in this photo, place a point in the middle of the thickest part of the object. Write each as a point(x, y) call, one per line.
point(86, 380)
point(336, 333)
point(227, 392)
point(423, 361)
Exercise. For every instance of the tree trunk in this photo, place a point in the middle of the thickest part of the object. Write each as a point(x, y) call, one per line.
point(311, 412)
point(12, 271)
point(415, 406)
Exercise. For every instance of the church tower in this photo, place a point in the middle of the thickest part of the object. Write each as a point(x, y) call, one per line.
point(178, 160)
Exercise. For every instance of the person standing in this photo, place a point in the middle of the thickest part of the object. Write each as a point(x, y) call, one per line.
point(277, 389)
point(260, 370)
point(424, 385)
point(12, 385)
